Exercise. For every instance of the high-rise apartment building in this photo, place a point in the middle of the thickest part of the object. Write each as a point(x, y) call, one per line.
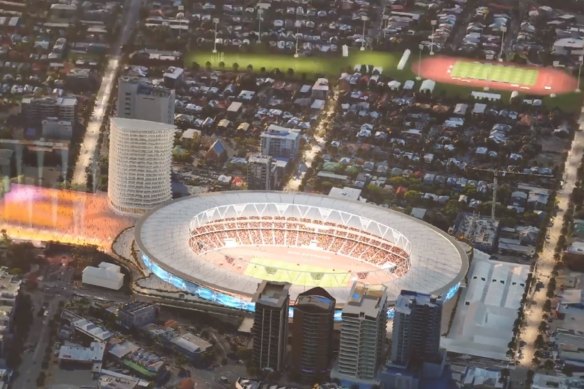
point(416, 329)
point(259, 172)
point(363, 335)
point(280, 142)
point(140, 99)
point(312, 331)
point(35, 110)
point(140, 156)
point(270, 328)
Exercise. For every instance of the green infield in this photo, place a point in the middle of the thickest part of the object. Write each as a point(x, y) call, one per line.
point(307, 275)
point(328, 65)
point(494, 72)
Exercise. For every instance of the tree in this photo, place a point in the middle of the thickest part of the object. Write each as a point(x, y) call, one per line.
point(377, 194)
point(539, 342)
point(412, 196)
point(235, 66)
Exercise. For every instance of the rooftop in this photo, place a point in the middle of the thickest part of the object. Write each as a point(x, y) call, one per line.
point(407, 299)
point(135, 307)
point(89, 328)
point(191, 343)
point(317, 297)
point(272, 294)
point(76, 353)
point(275, 131)
point(368, 299)
point(483, 322)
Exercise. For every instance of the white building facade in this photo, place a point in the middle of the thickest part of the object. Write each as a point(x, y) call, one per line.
point(140, 156)
point(106, 275)
point(363, 333)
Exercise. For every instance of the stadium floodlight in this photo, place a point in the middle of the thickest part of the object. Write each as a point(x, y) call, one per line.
point(503, 31)
point(433, 23)
point(216, 22)
point(364, 18)
point(296, 52)
point(421, 47)
point(260, 11)
point(579, 73)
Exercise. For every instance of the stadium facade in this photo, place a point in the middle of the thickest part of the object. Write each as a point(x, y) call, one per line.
point(174, 237)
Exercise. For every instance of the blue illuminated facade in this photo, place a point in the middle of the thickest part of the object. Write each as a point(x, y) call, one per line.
point(229, 301)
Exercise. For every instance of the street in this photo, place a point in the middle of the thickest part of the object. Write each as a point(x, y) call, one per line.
point(545, 263)
point(315, 148)
point(49, 296)
point(88, 149)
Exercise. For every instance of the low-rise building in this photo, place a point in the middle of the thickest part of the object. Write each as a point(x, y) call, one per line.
point(135, 315)
point(9, 291)
point(480, 231)
point(477, 377)
point(544, 381)
point(189, 345)
point(186, 343)
point(106, 275)
point(483, 322)
point(53, 128)
point(79, 355)
point(91, 330)
point(35, 110)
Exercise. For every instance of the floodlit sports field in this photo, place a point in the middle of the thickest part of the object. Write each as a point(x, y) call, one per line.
point(541, 81)
point(308, 275)
point(296, 265)
point(326, 65)
point(494, 72)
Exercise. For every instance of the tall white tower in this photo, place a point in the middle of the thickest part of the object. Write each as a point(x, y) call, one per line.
point(140, 156)
point(363, 335)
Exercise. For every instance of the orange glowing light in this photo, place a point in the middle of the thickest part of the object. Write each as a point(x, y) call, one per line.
point(45, 214)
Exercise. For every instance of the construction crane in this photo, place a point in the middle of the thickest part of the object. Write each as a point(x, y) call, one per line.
point(497, 173)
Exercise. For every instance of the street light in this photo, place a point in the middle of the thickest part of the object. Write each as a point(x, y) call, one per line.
point(260, 10)
point(421, 47)
point(216, 22)
point(433, 23)
point(503, 31)
point(364, 18)
point(579, 73)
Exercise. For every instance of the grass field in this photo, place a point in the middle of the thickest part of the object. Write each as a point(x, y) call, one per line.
point(273, 270)
point(494, 72)
point(329, 65)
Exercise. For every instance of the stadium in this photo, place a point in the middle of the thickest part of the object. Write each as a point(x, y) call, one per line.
point(220, 246)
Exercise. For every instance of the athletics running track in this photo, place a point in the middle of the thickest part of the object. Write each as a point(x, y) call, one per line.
point(549, 80)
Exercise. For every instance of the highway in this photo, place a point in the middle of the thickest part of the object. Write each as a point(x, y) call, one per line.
point(88, 150)
point(545, 263)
